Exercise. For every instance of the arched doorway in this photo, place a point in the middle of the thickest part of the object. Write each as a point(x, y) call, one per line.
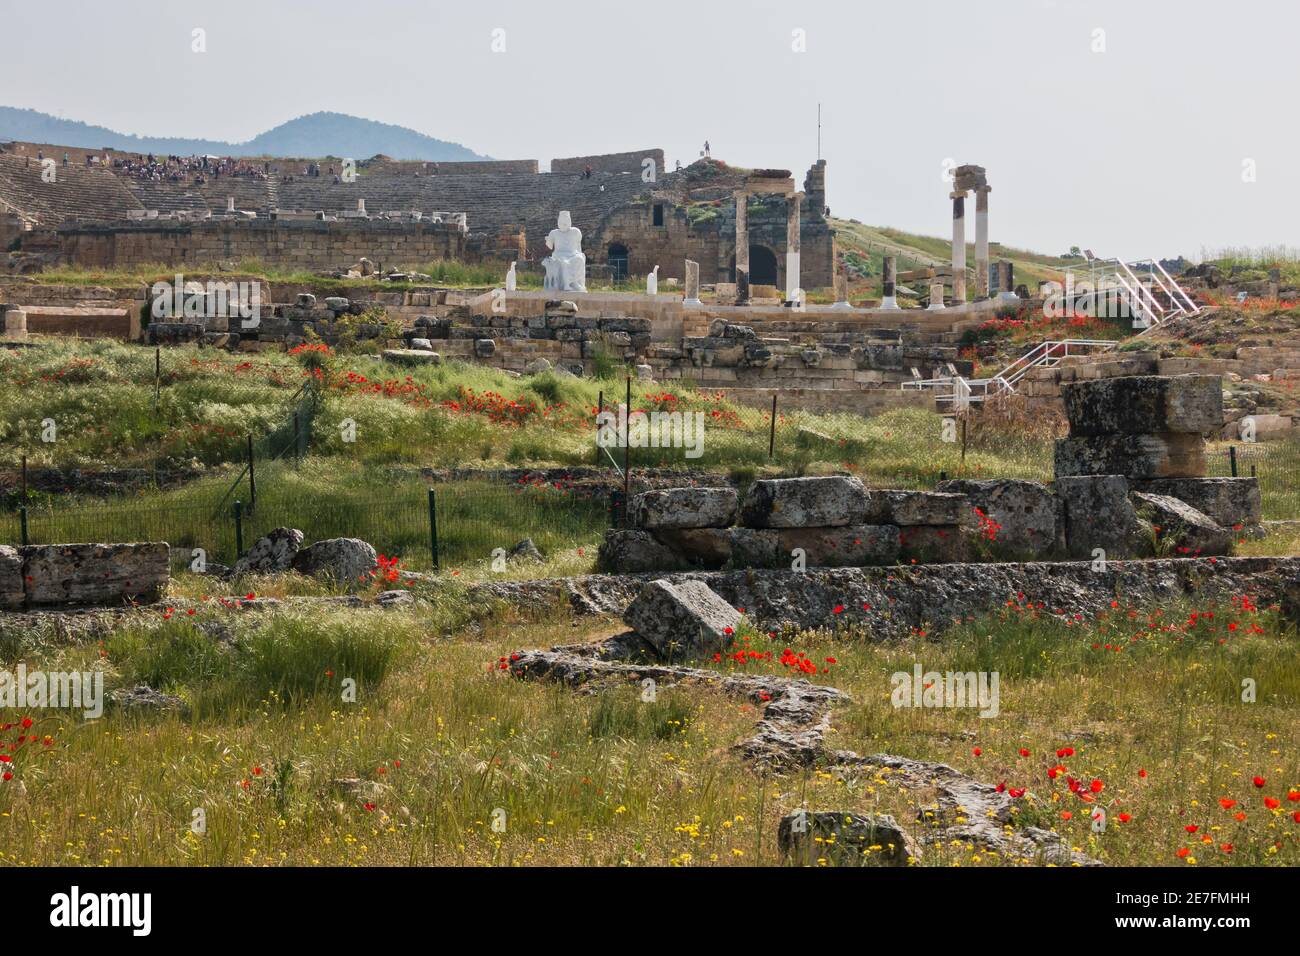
point(617, 260)
point(762, 266)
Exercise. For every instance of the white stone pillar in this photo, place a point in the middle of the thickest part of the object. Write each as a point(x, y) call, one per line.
point(792, 245)
point(742, 248)
point(889, 284)
point(692, 284)
point(936, 296)
point(230, 204)
point(958, 246)
point(982, 242)
point(15, 324)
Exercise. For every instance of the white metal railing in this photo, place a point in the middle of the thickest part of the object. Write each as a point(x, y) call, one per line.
point(961, 392)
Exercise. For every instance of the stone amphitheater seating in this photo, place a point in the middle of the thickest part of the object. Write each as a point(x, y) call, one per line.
point(78, 192)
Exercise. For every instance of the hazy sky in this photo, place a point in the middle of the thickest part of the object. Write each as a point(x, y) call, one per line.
point(1136, 151)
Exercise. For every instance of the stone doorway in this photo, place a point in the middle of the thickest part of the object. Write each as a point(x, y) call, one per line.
point(617, 259)
point(762, 266)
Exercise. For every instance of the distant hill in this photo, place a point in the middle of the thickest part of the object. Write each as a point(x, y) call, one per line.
point(318, 134)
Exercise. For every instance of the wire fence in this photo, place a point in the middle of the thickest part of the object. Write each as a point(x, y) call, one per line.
point(457, 523)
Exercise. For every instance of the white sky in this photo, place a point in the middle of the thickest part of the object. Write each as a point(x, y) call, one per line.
point(1135, 151)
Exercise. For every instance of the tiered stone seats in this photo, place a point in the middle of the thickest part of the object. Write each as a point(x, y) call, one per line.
point(78, 192)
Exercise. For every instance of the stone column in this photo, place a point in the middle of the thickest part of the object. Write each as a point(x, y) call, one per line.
point(982, 242)
point(793, 202)
point(692, 284)
point(889, 284)
point(742, 248)
point(958, 198)
point(1007, 284)
point(15, 324)
point(936, 296)
point(230, 204)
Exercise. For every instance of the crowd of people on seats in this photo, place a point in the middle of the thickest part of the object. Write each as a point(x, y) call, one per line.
point(198, 169)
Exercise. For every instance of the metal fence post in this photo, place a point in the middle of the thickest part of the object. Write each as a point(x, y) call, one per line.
point(600, 411)
point(771, 437)
point(297, 440)
point(239, 529)
point(627, 459)
point(252, 476)
point(1232, 459)
point(22, 524)
point(433, 529)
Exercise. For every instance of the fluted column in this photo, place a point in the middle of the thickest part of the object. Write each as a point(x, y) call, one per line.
point(982, 242)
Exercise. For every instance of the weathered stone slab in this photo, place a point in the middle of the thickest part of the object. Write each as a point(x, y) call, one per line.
point(853, 546)
point(1144, 404)
point(685, 508)
point(630, 551)
point(682, 621)
point(928, 508)
point(1170, 455)
point(1232, 503)
point(77, 574)
point(1184, 530)
point(11, 578)
point(1099, 514)
point(845, 839)
point(1025, 511)
point(819, 502)
point(700, 547)
point(411, 356)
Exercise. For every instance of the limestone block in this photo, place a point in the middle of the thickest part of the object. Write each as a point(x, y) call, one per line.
point(684, 508)
point(1025, 511)
point(1144, 404)
point(1184, 530)
point(682, 621)
point(845, 839)
point(11, 578)
point(831, 501)
point(77, 574)
point(928, 508)
point(1232, 503)
point(631, 551)
point(1170, 455)
point(1098, 514)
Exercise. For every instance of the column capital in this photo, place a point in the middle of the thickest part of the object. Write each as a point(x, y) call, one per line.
point(957, 194)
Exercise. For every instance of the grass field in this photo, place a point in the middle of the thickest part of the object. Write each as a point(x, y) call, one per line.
point(440, 738)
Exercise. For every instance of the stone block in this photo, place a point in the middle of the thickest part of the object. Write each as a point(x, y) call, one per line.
point(935, 544)
point(824, 547)
point(631, 551)
point(272, 553)
point(685, 621)
point(1144, 404)
point(845, 839)
point(11, 578)
point(1097, 513)
point(1169, 455)
point(831, 501)
point(928, 508)
point(346, 560)
point(684, 508)
point(1184, 531)
point(85, 574)
point(1232, 503)
point(1025, 513)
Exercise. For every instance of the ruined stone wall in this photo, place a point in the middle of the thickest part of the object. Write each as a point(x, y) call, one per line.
point(82, 574)
point(308, 245)
point(629, 162)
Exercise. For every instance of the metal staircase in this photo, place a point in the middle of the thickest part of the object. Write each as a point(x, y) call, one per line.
point(1151, 294)
point(960, 393)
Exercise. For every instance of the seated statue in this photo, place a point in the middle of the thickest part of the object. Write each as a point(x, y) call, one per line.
point(566, 267)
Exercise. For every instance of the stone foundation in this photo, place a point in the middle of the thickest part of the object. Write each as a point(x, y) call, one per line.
point(82, 574)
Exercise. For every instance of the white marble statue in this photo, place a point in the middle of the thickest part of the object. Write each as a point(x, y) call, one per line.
point(510, 278)
point(566, 267)
point(652, 282)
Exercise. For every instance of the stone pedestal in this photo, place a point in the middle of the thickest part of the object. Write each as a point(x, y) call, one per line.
point(692, 283)
point(958, 246)
point(792, 287)
point(982, 242)
point(889, 284)
point(1007, 282)
point(15, 320)
point(742, 248)
point(841, 289)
